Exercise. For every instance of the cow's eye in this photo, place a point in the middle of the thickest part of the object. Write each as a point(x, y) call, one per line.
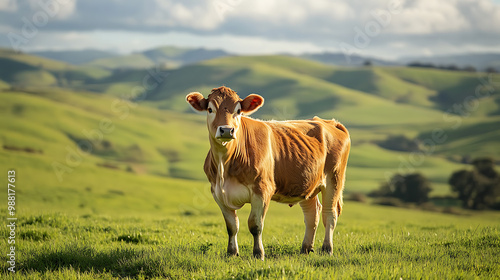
point(238, 112)
point(209, 110)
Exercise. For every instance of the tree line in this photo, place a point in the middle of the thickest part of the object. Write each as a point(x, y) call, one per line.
point(476, 188)
point(450, 67)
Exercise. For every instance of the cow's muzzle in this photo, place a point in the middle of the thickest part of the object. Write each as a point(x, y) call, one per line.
point(225, 133)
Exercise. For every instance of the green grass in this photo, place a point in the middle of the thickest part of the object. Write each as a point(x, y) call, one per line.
point(378, 82)
point(138, 138)
point(406, 244)
point(39, 78)
point(3, 85)
point(24, 70)
point(32, 60)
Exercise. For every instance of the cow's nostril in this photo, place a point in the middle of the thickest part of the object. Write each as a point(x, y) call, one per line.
point(221, 130)
point(232, 131)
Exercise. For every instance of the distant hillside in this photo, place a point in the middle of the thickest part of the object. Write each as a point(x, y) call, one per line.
point(171, 57)
point(374, 102)
point(22, 70)
point(480, 61)
point(75, 57)
point(341, 59)
point(182, 56)
point(130, 61)
point(287, 77)
point(47, 104)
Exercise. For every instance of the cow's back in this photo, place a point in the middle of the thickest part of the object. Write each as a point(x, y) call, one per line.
point(302, 151)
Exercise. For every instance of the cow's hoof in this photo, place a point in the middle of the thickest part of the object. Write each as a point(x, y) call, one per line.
point(258, 255)
point(233, 254)
point(306, 251)
point(327, 249)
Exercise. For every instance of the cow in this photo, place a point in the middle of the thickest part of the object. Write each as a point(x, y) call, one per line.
point(254, 161)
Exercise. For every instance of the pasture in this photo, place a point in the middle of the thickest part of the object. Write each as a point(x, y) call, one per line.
point(369, 242)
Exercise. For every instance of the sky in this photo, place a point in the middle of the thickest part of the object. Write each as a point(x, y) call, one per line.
point(381, 28)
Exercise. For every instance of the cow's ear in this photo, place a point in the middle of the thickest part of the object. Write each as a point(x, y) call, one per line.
point(251, 103)
point(197, 101)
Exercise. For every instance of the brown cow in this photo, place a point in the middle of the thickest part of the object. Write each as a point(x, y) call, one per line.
point(253, 161)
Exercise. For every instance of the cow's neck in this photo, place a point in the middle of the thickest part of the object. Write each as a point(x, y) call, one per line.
point(220, 155)
point(224, 154)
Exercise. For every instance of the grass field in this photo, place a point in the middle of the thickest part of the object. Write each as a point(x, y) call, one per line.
point(369, 242)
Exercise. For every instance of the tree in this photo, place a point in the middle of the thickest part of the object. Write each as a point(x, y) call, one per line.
point(420, 64)
point(399, 143)
point(478, 188)
point(409, 188)
point(451, 67)
point(469, 68)
point(491, 70)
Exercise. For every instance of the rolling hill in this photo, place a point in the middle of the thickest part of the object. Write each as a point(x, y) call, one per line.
point(109, 181)
point(340, 59)
point(75, 57)
point(170, 57)
point(21, 69)
point(480, 61)
point(154, 139)
point(87, 148)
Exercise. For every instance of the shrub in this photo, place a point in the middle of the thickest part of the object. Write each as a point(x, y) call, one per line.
point(389, 201)
point(400, 143)
point(478, 188)
point(356, 196)
point(408, 188)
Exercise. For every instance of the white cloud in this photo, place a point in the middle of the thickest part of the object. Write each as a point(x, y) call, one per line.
point(451, 16)
point(59, 9)
point(428, 16)
point(269, 11)
point(483, 15)
point(66, 8)
point(174, 14)
point(272, 25)
point(126, 42)
point(8, 5)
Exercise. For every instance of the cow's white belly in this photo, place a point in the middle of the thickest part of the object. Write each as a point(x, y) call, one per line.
point(232, 193)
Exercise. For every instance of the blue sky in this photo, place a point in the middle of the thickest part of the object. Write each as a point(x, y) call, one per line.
point(383, 28)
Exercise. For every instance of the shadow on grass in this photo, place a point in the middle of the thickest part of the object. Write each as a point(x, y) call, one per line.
point(120, 262)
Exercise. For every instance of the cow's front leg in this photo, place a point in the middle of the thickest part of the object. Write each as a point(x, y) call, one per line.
point(256, 223)
point(311, 208)
point(232, 226)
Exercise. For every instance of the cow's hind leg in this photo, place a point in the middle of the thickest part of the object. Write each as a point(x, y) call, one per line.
point(256, 223)
point(332, 206)
point(232, 226)
point(311, 208)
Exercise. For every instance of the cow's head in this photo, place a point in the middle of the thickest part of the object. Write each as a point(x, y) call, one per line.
point(224, 110)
